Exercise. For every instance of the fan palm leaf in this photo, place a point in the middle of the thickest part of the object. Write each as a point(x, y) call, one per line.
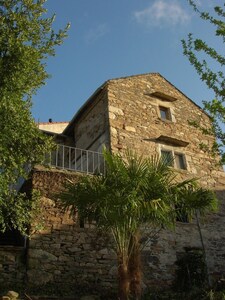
point(133, 191)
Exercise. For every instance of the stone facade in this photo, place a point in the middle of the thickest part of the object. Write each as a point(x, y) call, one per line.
point(90, 129)
point(12, 266)
point(134, 105)
point(125, 114)
point(148, 114)
point(65, 252)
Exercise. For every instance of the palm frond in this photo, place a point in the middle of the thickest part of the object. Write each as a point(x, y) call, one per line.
point(134, 190)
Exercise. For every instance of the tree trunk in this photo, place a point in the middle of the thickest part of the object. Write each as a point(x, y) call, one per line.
point(124, 282)
point(203, 249)
point(134, 267)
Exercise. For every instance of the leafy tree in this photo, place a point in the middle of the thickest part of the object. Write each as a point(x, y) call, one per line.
point(134, 193)
point(200, 54)
point(26, 40)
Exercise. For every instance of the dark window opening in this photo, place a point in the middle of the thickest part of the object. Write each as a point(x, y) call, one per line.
point(81, 223)
point(179, 161)
point(164, 113)
point(12, 238)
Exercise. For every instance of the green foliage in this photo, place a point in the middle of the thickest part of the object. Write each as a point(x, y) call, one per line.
point(19, 211)
point(213, 295)
point(134, 191)
point(26, 40)
point(192, 198)
point(201, 55)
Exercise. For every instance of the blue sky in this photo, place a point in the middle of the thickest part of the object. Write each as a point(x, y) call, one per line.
point(115, 38)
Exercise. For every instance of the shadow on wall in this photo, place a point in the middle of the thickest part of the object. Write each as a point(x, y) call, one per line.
point(67, 258)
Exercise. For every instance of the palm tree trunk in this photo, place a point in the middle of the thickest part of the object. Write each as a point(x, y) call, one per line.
point(203, 249)
point(134, 267)
point(124, 282)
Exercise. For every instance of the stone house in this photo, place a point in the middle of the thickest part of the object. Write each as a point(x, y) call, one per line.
point(145, 113)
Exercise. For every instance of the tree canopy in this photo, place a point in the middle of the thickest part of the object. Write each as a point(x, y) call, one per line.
point(26, 41)
point(134, 193)
point(201, 55)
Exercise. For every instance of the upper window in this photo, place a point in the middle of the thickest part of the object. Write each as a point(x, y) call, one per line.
point(165, 113)
point(174, 159)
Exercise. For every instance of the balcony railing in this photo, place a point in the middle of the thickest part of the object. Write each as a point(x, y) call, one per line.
point(75, 159)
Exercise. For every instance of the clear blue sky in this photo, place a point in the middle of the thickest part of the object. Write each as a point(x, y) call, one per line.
point(115, 38)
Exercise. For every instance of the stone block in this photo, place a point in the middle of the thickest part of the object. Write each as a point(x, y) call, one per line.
point(112, 116)
point(104, 251)
point(74, 249)
point(130, 128)
point(41, 255)
point(116, 110)
point(33, 263)
point(38, 277)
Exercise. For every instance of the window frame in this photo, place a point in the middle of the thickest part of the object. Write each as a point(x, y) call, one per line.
point(182, 165)
point(173, 154)
point(169, 157)
point(166, 111)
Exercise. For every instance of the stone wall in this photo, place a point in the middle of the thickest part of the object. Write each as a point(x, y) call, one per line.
point(124, 114)
point(64, 253)
point(135, 121)
point(12, 266)
point(91, 127)
point(161, 254)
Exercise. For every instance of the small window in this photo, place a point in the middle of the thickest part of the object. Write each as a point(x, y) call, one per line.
point(179, 161)
point(164, 113)
point(174, 159)
point(167, 157)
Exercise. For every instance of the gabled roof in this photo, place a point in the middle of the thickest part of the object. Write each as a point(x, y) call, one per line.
point(68, 129)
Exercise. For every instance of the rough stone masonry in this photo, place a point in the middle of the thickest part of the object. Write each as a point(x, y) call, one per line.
point(148, 114)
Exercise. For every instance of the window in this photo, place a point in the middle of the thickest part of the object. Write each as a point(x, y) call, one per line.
point(174, 159)
point(179, 161)
point(167, 157)
point(164, 113)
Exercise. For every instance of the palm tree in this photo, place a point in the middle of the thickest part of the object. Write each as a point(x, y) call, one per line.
point(134, 191)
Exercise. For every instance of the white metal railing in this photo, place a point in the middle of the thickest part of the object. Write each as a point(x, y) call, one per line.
point(76, 159)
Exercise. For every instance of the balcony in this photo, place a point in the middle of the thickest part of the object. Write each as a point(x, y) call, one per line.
point(75, 159)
